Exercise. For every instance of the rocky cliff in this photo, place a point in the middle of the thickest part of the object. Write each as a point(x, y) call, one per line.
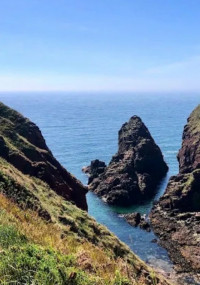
point(134, 171)
point(22, 145)
point(176, 217)
point(44, 238)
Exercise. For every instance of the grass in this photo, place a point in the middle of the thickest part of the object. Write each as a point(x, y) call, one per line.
point(32, 193)
point(35, 251)
point(193, 124)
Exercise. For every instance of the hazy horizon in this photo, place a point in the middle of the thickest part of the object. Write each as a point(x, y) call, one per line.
point(99, 46)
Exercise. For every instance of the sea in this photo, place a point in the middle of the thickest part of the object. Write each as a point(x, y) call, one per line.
point(81, 127)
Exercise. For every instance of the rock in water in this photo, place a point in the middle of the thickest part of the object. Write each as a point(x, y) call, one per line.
point(135, 170)
point(135, 219)
point(94, 169)
point(176, 217)
point(22, 145)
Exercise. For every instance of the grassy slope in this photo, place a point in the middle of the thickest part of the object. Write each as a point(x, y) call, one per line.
point(46, 240)
point(193, 123)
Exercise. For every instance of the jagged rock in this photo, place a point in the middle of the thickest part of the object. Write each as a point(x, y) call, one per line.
point(135, 219)
point(22, 145)
point(135, 170)
point(176, 217)
point(94, 169)
point(189, 154)
point(144, 225)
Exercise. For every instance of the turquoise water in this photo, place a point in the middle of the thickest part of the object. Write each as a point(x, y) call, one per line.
point(81, 127)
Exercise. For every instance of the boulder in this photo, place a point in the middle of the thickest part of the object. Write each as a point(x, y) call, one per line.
point(135, 219)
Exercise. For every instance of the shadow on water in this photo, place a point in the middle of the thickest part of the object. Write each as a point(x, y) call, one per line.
point(144, 207)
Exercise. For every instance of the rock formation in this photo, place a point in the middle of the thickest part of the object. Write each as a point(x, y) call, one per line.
point(96, 168)
point(136, 219)
point(22, 145)
point(176, 217)
point(134, 171)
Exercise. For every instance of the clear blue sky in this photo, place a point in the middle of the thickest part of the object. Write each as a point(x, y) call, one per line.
point(130, 45)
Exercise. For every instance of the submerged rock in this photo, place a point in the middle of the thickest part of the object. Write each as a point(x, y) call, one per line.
point(23, 146)
point(134, 171)
point(176, 217)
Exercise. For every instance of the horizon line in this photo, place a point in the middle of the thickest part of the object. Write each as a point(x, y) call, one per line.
point(100, 91)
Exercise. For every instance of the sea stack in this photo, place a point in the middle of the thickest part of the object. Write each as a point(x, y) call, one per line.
point(23, 146)
point(134, 171)
point(176, 217)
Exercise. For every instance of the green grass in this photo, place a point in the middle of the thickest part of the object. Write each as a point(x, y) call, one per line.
point(23, 262)
point(35, 251)
point(32, 193)
point(194, 121)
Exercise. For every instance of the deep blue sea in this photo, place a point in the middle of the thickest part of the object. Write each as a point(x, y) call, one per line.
point(81, 127)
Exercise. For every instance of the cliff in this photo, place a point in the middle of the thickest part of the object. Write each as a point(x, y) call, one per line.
point(189, 154)
point(135, 170)
point(44, 237)
point(22, 145)
point(176, 217)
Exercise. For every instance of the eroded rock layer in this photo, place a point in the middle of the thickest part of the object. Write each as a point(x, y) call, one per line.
point(134, 171)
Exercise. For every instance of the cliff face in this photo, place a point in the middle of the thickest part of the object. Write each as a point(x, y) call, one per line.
point(176, 217)
point(134, 171)
point(189, 154)
point(22, 145)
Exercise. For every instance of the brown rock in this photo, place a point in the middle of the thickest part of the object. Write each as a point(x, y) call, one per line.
point(96, 168)
point(135, 219)
point(134, 171)
point(176, 217)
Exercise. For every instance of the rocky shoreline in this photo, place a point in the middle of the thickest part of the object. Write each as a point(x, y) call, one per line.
point(176, 217)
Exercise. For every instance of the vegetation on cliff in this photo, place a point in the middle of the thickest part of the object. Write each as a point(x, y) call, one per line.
point(22, 145)
point(42, 234)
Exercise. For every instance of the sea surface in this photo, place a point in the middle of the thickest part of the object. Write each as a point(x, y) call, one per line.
point(81, 127)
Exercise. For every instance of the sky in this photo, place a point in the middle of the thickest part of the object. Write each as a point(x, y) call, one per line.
point(100, 45)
